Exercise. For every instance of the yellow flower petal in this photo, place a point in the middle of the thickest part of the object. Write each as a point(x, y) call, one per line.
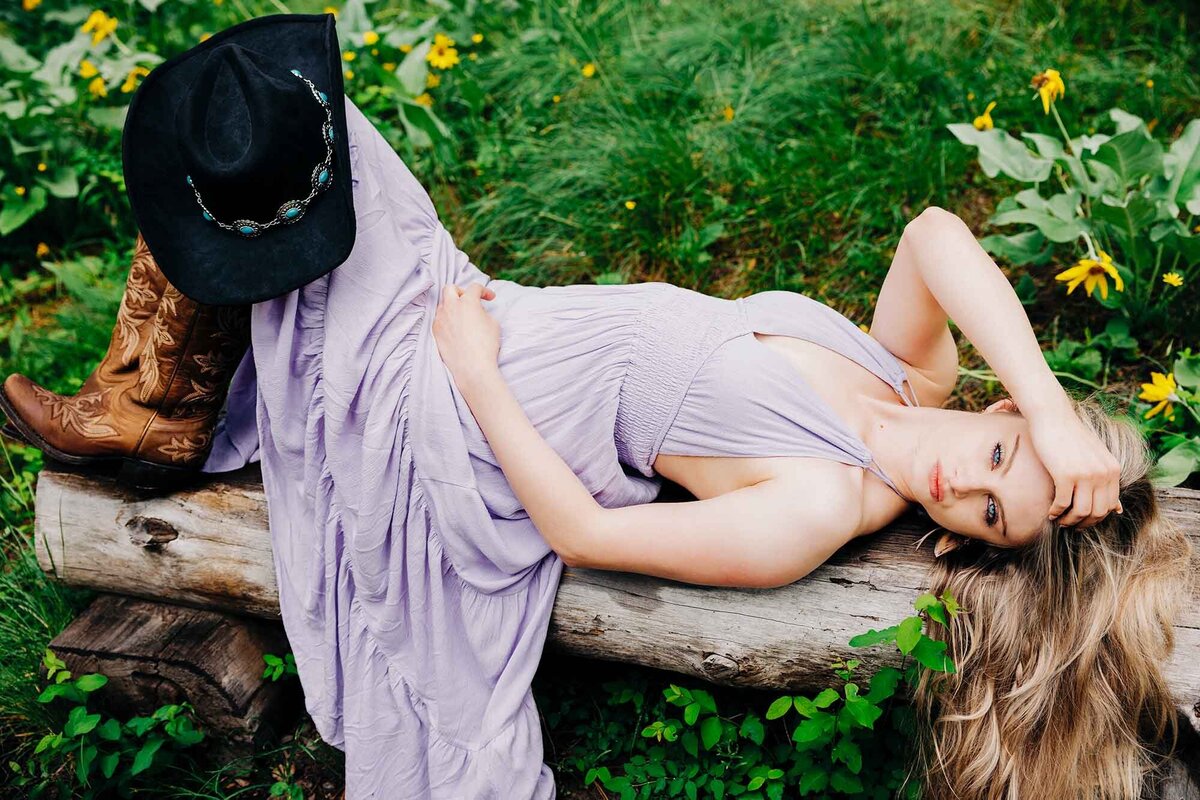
point(43, 249)
point(41, 167)
point(330, 10)
point(729, 113)
point(477, 38)
point(424, 99)
point(630, 204)
point(370, 38)
point(1172, 279)
point(20, 190)
point(87, 69)
point(589, 69)
point(406, 48)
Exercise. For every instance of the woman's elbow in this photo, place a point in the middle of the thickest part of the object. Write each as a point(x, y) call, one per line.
point(932, 219)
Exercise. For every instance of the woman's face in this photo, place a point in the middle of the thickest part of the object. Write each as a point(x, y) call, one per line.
point(977, 474)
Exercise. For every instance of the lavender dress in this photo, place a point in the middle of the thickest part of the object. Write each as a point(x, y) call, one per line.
point(414, 589)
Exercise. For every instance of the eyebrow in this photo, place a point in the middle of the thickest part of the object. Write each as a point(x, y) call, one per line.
point(1007, 466)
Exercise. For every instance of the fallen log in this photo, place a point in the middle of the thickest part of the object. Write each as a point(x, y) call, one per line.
point(209, 547)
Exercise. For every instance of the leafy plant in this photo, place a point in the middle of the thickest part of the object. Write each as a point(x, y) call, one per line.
point(93, 755)
point(279, 667)
point(844, 741)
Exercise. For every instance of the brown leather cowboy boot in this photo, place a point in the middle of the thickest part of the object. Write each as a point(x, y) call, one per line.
point(152, 415)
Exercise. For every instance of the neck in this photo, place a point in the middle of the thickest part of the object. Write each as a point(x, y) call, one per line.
point(892, 435)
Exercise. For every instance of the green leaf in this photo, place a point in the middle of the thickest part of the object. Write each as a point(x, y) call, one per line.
point(752, 729)
point(1131, 156)
point(80, 722)
point(1052, 227)
point(413, 69)
point(849, 753)
point(15, 58)
point(109, 731)
point(873, 637)
point(19, 210)
point(1187, 370)
point(908, 634)
point(1177, 464)
point(1020, 249)
point(826, 698)
point(814, 779)
point(108, 764)
point(1125, 121)
point(883, 684)
point(1127, 219)
point(780, 707)
point(862, 711)
point(845, 782)
point(710, 732)
point(819, 728)
point(1181, 169)
point(90, 682)
point(145, 756)
point(691, 713)
point(932, 654)
point(1001, 153)
point(83, 763)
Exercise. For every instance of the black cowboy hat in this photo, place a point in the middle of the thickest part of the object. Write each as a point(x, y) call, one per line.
point(237, 164)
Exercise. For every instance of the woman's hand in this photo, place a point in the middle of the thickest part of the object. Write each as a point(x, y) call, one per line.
point(468, 338)
point(1085, 473)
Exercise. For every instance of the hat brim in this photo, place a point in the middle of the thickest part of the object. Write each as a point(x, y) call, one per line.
point(207, 263)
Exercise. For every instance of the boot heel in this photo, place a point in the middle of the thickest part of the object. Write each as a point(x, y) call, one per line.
point(139, 474)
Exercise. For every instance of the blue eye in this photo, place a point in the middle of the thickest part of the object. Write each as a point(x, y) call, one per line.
point(989, 514)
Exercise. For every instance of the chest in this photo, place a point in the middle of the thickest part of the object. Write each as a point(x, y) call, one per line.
point(845, 386)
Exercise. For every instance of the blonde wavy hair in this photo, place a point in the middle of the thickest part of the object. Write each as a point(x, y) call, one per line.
point(1059, 691)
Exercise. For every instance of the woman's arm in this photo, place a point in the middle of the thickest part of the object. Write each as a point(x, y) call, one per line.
point(941, 271)
point(561, 507)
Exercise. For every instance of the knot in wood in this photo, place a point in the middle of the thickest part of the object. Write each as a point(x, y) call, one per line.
point(716, 665)
point(151, 532)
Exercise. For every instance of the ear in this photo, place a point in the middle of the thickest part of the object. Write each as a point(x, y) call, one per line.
point(948, 543)
point(1006, 404)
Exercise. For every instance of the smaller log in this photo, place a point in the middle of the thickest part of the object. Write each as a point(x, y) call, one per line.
point(155, 654)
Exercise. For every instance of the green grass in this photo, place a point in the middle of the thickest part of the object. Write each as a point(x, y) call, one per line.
point(837, 139)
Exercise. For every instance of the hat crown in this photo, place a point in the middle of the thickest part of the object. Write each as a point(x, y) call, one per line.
point(249, 133)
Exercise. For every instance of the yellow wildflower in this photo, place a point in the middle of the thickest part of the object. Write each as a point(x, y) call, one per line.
point(1160, 390)
point(374, 51)
point(97, 87)
point(424, 99)
point(349, 74)
point(1050, 87)
point(432, 80)
point(370, 38)
point(330, 10)
point(132, 78)
point(41, 167)
point(20, 190)
point(406, 48)
point(100, 25)
point(1149, 83)
point(729, 113)
point(442, 55)
point(443, 40)
point(30, 5)
point(557, 98)
point(42, 249)
point(970, 96)
point(477, 38)
point(1173, 279)
point(589, 69)
point(630, 204)
point(863, 327)
point(984, 121)
point(390, 66)
point(349, 55)
point(204, 37)
point(473, 56)
point(1092, 273)
point(218, 2)
point(87, 69)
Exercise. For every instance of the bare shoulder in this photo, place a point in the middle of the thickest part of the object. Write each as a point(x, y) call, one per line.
point(838, 496)
point(822, 490)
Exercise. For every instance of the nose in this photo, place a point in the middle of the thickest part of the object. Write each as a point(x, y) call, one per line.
point(962, 483)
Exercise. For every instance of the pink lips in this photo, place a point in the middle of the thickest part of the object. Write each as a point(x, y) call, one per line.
point(935, 481)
